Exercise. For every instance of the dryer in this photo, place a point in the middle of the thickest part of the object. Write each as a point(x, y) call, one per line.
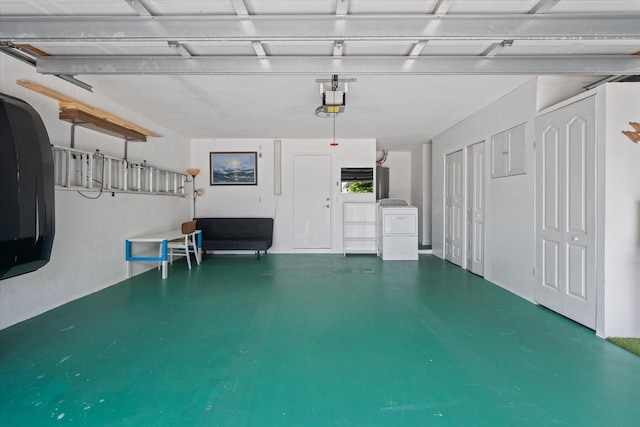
point(397, 230)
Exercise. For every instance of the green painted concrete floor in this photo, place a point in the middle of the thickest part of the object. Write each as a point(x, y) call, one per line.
point(311, 340)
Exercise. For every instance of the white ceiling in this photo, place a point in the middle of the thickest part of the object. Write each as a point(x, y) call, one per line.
point(388, 102)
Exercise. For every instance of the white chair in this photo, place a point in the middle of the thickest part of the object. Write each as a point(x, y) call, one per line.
point(185, 245)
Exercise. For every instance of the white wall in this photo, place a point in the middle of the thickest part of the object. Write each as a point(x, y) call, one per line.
point(509, 208)
point(555, 89)
point(622, 213)
point(88, 248)
point(427, 164)
point(399, 164)
point(259, 200)
point(421, 190)
point(242, 200)
point(417, 194)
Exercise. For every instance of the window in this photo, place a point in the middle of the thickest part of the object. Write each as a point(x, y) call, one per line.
point(356, 180)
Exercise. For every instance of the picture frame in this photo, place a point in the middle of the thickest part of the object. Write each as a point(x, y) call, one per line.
point(233, 168)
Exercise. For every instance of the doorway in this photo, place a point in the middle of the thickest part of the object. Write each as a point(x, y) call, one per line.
point(566, 211)
point(453, 208)
point(312, 202)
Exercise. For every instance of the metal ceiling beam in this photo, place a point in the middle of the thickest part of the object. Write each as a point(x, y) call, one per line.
point(496, 48)
point(543, 6)
point(418, 48)
point(17, 53)
point(28, 57)
point(338, 48)
point(140, 8)
point(529, 65)
point(180, 48)
point(342, 7)
point(442, 6)
point(240, 7)
point(258, 48)
point(113, 29)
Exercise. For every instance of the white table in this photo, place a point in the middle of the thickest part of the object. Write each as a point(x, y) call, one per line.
point(163, 239)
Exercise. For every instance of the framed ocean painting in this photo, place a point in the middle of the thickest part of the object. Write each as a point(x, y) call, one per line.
point(238, 168)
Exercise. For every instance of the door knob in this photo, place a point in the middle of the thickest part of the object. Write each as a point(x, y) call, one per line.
point(575, 238)
point(326, 206)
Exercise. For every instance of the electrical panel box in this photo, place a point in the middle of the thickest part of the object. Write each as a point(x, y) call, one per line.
point(508, 152)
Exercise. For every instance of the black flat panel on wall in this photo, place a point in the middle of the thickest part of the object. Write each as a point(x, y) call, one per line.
point(27, 221)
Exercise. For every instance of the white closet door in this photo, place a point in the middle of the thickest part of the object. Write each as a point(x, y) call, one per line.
point(312, 202)
point(566, 208)
point(475, 208)
point(453, 208)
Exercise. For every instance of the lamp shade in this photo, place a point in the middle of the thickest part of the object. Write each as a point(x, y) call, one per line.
point(193, 171)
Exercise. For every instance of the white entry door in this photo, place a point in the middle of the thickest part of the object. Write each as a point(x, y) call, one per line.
point(566, 207)
point(453, 208)
point(475, 208)
point(312, 202)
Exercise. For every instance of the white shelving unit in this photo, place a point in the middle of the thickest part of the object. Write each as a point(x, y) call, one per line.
point(359, 228)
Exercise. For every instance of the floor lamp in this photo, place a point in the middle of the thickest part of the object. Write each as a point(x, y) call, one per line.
point(194, 172)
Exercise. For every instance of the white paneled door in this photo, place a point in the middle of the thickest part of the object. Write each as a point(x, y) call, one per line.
point(475, 208)
point(566, 211)
point(453, 208)
point(312, 202)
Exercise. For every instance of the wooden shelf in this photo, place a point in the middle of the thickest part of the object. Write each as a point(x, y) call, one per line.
point(99, 124)
point(74, 111)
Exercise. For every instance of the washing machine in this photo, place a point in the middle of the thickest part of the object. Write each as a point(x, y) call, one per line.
point(397, 230)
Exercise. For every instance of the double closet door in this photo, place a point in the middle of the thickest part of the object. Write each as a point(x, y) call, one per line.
point(475, 208)
point(566, 211)
point(454, 208)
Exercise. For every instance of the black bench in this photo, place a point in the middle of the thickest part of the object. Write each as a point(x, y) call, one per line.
point(230, 234)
